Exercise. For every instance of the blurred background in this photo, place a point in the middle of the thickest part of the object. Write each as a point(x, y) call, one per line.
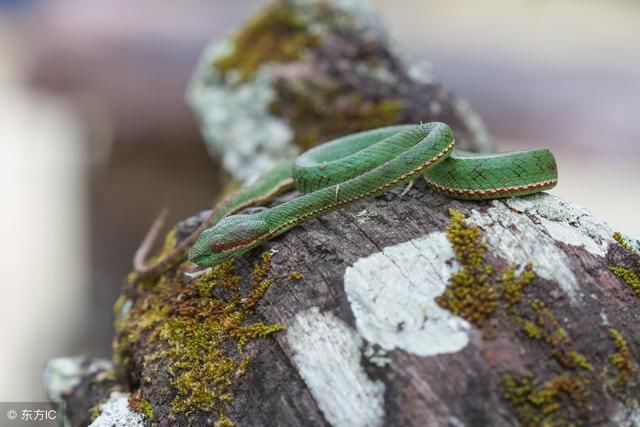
point(95, 136)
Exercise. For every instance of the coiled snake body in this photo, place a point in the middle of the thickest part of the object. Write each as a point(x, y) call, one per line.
point(361, 166)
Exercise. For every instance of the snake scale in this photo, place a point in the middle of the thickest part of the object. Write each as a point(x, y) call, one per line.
point(359, 167)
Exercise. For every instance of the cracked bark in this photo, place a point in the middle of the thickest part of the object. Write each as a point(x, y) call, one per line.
point(406, 367)
point(462, 387)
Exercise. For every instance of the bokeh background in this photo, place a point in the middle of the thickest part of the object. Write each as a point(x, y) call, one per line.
point(95, 136)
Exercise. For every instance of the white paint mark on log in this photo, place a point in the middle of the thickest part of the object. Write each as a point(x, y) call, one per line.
point(327, 354)
point(392, 295)
point(116, 412)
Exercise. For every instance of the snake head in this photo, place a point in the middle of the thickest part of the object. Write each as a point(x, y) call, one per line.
point(229, 238)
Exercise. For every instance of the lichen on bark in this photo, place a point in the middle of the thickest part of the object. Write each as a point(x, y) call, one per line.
point(494, 302)
point(303, 72)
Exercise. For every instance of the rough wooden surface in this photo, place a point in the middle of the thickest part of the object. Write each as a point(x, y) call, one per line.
point(397, 311)
point(367, 343)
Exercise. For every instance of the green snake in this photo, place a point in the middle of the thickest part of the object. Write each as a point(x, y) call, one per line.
point(359, 167)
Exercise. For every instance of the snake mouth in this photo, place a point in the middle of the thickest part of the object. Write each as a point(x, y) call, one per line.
point(199, 259)
point(198, 255)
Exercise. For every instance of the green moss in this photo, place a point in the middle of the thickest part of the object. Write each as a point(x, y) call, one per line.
point(140, 405)
point(563, 400)
point(556, 337)
point(628, 275)
point(316, 110)
point(94, 411)
point(512, 285)
point(295, 275)
point(471, 294)
point(128, 333)
point(475, 291)
point(618, 237)
point(193, 333)
point(224, 421)
point(531, 330)
point(621, 358)
point(479, 294)
point(275, 36)
point(111, 374)
point(475, 294)
point(322, 113)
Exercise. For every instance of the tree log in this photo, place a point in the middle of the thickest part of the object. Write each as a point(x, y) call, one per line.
point(366, 299)
point(307, 71)
point(412, 310)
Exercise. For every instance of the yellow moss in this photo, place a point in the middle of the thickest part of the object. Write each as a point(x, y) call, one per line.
point(261, 271)
point(168, 244)
point(108, 375)
point(295, 275)
point(132, 278)
point(277, 35)
point(628, 276)
point(332, 112)
point(224, 421)
point(94, 411)
point(474, 292)
point(130, 330)
point(242, 367)
point(532, 330)
point(562, 348)
point(255, 330)
point(618, 237)
point(259, 281)
point(512, 285)
point(257, 294)
point(471, 294)
point(563, 400)
point(202, 372)
point(192, 334)
point(621, 359)
point(477, 293)
point(140, 405)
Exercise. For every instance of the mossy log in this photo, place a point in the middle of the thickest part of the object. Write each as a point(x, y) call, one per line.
point(407, 310)
point(412, 310)
point(306, 71)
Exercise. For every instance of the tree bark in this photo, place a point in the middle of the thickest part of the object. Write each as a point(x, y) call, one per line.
point(412, 310)
point(368, 342)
